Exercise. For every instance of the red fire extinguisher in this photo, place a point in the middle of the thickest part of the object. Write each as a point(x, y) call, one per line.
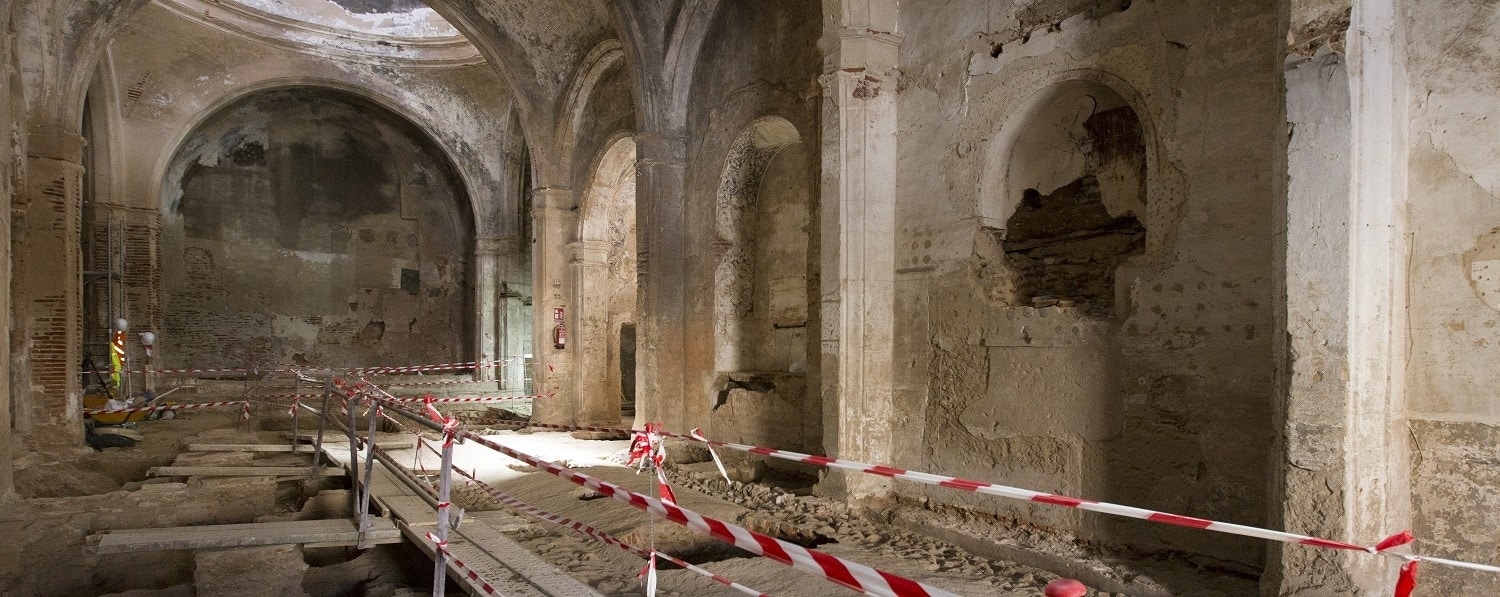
point(560, 336)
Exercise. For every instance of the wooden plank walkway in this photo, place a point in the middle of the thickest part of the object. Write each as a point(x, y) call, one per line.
point(239, 471)
point(326, 533)
point(479, 542)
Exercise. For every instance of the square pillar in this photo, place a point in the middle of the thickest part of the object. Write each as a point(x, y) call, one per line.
point(46, 290)
point(858, 252)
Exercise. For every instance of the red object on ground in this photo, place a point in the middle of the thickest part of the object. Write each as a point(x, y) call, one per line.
point(1065, 587)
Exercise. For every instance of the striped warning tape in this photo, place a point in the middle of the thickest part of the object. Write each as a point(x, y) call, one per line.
point(245, 410)
point(472, 399)
point(856, 576)
point(449, 382)
point(1385, 548)
point(369, 370)
point(599, 535)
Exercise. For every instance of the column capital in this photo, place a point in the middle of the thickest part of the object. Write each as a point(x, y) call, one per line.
point(496, 245)
point(863, 49)
point(662, 146)
point(589, 252)
point(545, 198)
point(52, 143)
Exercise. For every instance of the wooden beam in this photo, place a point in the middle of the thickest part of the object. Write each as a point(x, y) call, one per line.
point(320, 532)
point(248, 448)
point(239, 471)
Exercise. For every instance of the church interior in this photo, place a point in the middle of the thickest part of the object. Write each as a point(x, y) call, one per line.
point(922, 297)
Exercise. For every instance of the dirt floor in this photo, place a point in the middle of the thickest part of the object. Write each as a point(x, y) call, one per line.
point(62, 502)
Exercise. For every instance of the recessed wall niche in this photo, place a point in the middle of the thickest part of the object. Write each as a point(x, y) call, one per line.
point(312, 226)
point(1073, 198)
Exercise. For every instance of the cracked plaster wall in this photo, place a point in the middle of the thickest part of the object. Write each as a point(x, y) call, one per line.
point(1454, 294)
point(1166, 403)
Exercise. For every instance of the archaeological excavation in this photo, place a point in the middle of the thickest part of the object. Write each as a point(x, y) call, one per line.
point(690, 298)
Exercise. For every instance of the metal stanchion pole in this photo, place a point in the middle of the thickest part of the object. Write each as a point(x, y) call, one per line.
point(445, 480)
point(296, 391)
point(364, 495)
point(353, 408)
point(322, 424)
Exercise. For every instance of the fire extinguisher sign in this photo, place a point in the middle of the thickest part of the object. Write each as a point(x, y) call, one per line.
point(557, 315)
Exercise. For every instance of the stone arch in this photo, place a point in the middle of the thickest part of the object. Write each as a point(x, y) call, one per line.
point(609, 54)
point(604, 281)
point(317, 228)
point(1066, 190)
point(390, 99)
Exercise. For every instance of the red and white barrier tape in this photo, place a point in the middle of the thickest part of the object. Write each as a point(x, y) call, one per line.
point(599, 535)
point(467, 571)
point(166, 407)
point(451, 382)
point(647, 447)
point(1385, 548)
point(418, 368)
point(371, 370)
point(856, 576)
point(178, 371)
point(473, 399)
point(269, 397)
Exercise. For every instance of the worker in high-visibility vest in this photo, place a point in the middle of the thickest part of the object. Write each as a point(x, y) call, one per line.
point(117, 352)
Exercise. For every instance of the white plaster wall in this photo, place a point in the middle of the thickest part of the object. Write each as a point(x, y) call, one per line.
point(1454, 46)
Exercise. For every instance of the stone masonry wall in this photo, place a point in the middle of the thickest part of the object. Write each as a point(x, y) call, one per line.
point(1162, 401)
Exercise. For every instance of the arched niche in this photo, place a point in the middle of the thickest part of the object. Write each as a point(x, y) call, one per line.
point(604, 262)
point(308, 225)
point(1068, 196)
point(760, 295)
point(763, 294)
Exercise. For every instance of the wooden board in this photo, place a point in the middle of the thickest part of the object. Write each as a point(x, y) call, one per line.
point(247, 448)
point(239, 471)
point(323, 532)
point(335, 437)
point(486, 540)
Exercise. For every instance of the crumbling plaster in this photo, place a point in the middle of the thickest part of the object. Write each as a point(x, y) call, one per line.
point(1454, 217)
point(315, 229)
point(166, 88)
point(1182, 418)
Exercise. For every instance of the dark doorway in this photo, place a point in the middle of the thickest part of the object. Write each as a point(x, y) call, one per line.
point(627, 369)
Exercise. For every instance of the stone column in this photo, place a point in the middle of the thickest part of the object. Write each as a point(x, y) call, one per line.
point(554, 225)
point(488, 319)
point(503, 329)
point(858, 252)
point(662, 302)
point(46, 289)
point(590, 265)
point(513, 269)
